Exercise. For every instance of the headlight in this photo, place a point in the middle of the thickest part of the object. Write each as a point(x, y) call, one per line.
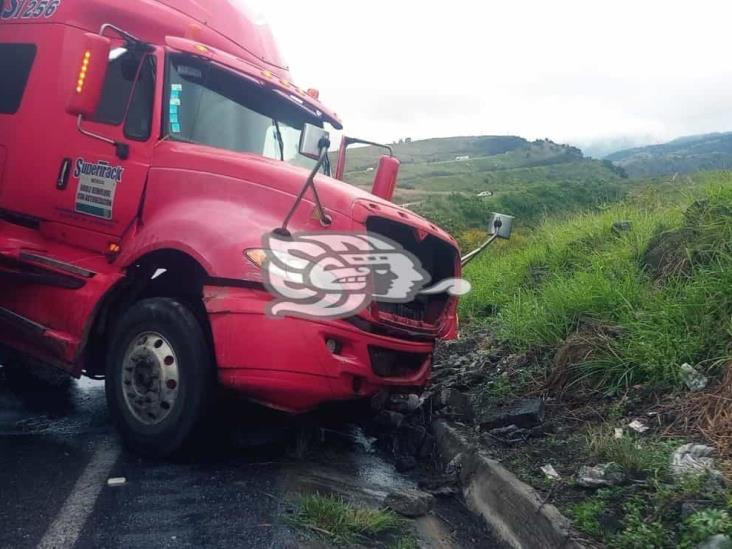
point(256, 256)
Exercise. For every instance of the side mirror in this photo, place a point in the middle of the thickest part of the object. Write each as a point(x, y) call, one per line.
point(311, 140)
point(500, 225)
point(385, 180)
point(89, 81)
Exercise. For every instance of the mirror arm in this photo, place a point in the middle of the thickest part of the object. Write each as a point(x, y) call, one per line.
point(129, 38)
point(341, 167)
point(325, 219)
point(355, 140)
point(122, 149)
point(467, 258)
point(126, 35)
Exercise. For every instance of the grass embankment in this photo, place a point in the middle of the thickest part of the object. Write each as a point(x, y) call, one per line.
point(612, 303)
point(652, 274)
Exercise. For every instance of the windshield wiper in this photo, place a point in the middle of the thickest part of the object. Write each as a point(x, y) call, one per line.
point(325, 219)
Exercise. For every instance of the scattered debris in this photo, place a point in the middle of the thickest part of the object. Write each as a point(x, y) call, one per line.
point(618, 432)
point(410, 503)
point(522, 413)
point(510, 434)
point(638, 426)
point(550, 472)
point(606, 474)
point(708, 413)
point(405, 403)
point(693, 379)
point(692, 458)
point(457, 403)
point(116, 481)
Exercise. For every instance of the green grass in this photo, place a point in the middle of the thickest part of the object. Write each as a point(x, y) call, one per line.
point(630, 517)
point(587, 516)
point(638, 456)
point(539, 289)
point(344, 523)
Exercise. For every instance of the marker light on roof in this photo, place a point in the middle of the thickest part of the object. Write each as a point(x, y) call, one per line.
point(201, 48)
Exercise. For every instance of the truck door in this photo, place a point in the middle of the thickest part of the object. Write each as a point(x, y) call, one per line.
point(96, 187)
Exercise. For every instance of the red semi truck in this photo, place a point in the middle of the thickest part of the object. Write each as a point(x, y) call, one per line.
point(145, 148)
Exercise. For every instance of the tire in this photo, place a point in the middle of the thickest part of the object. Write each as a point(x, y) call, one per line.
point(159, 377)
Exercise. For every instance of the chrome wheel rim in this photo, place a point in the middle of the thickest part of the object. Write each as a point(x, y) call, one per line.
point(150, 380)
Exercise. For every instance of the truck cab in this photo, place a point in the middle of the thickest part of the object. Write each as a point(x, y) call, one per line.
point(146, 147)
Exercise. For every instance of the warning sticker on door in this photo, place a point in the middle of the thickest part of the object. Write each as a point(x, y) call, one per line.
point(97, 186)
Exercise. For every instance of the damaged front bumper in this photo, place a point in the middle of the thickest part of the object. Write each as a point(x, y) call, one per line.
point(295, 364)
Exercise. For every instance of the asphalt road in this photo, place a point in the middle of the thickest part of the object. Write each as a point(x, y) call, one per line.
point(58, 452)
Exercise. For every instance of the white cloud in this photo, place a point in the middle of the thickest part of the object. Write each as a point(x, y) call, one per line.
point(570, 70)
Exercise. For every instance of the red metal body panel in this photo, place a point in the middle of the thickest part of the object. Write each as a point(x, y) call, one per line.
point(304, 373)
point(206, 203)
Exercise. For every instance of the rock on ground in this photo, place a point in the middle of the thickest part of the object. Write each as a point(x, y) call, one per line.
point(526, 413)
point(606, 474)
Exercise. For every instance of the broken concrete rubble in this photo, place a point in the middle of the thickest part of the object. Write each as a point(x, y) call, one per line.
point(694, 380)
point(454, 403)
point(606, 474)
point(691, 459)
point(524, 413)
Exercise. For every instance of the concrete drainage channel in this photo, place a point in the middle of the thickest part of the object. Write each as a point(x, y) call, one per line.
point(511, 508)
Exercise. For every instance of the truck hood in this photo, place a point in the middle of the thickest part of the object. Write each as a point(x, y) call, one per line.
point(281, 177)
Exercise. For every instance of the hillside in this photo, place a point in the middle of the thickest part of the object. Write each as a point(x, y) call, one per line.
point(506, 174)
point(683, 156)
point(435, 150)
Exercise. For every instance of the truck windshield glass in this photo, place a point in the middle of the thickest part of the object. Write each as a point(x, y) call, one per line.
point(209, 105)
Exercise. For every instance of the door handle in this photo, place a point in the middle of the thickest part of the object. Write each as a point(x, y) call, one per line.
point(63, 175)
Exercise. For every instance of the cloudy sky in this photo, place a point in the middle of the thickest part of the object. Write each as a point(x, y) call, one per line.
point(573, 71)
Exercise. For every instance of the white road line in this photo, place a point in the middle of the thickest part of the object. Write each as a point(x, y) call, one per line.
point(66, 527)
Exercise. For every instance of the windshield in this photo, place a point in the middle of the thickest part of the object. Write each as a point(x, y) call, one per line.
point(212, 106)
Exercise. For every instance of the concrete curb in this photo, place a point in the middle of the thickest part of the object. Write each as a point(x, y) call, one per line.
point(512, 509)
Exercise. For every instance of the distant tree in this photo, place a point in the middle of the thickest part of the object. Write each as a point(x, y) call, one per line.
point(618, 170)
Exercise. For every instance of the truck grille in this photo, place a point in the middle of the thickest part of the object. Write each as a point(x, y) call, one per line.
point(437, 257)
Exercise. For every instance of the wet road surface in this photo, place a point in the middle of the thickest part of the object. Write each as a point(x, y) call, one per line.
point(58, 450)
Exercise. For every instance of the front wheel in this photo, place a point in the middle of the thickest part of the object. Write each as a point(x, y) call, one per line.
point(159, 376)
